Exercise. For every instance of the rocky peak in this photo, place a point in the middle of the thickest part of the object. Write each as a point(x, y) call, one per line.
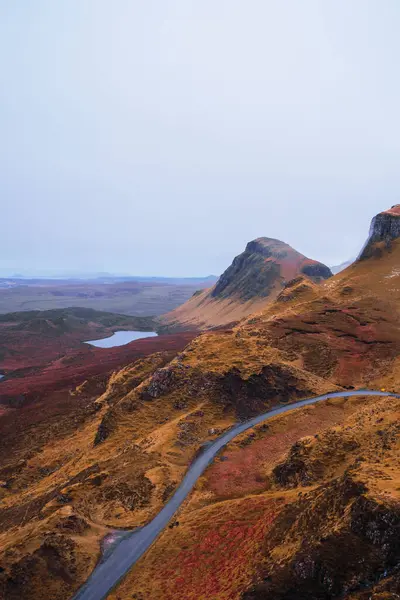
point(264, 268)
point(385, 227)
point(268, 247)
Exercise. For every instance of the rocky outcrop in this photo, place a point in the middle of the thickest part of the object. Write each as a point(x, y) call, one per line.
point(316, 271)
point(160, 383)
point(351, 544)
point(255, 394)
point(385, 228)
point(265, 264)
point(52, 566)
point(106, 427)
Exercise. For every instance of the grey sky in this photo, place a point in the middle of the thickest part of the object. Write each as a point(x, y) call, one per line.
point(159, 136)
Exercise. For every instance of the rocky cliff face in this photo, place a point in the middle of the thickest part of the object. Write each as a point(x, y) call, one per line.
point(265, 265)
point(385, 228)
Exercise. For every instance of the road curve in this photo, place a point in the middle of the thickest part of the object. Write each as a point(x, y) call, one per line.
point(114, 565)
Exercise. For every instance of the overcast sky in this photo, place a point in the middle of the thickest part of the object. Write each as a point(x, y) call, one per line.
point(157, 137)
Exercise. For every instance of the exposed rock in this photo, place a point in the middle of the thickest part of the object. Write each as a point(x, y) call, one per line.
point(64, 498)
point(160, 383)
point(253, 395)
point(265, 263)
point(296, 470)
point(316, 271)
point(352, 543)
point(385, 228)
point(106, 427)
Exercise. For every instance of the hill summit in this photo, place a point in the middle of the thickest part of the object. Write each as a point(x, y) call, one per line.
point(265, 265)
point(255, 278)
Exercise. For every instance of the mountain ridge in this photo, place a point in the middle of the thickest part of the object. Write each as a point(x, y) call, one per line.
point(255, 278)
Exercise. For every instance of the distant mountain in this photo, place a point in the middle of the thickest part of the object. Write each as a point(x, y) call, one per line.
point(255, 278)
point(201, 281)
point(131, 297)
point(16, 279)
point(342, 266)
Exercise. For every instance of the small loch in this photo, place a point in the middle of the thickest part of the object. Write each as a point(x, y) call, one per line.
point(120, 338)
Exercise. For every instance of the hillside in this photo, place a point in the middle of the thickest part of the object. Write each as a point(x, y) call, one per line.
point(306, 506)
point(253, 280)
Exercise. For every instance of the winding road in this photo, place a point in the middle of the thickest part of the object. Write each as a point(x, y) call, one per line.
point(115, 564)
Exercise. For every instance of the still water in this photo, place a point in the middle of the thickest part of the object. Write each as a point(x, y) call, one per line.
point(119, 338)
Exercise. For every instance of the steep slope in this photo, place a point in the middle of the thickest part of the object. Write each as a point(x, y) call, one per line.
point(385, 228)
point(253, 280)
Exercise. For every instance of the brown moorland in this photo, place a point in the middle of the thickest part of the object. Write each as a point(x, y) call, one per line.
point(306, 505)
point(77, 366)
point(33, 339)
